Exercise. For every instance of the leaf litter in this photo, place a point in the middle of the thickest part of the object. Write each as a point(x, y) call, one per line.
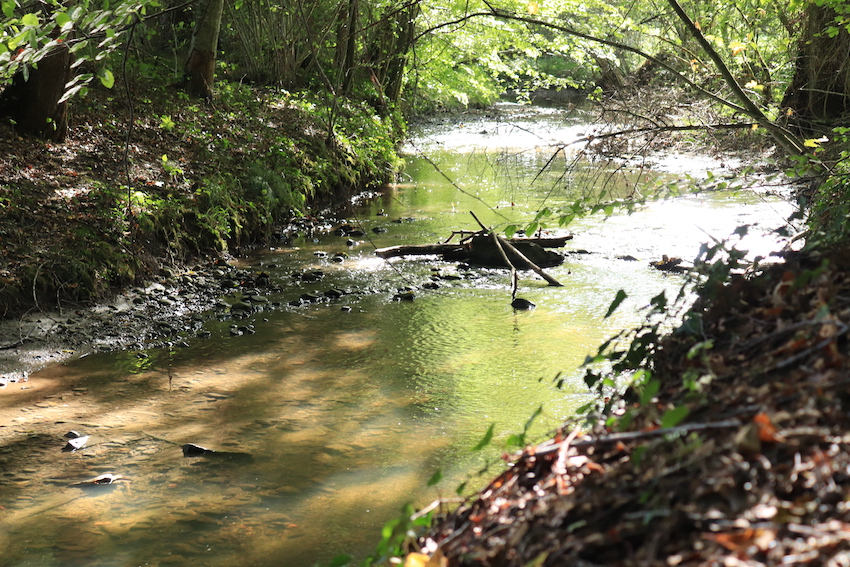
point(756, 473)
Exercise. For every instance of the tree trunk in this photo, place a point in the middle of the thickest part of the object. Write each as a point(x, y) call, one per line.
point(820, 90)
point(346, 45)
point(200, 68)
point(404, 34)
point(33, 102)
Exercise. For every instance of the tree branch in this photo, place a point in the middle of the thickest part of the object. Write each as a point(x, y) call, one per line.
point(785, 138)
point(495, 13)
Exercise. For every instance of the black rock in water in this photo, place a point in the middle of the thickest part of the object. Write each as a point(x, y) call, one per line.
point(193, 450)
point(76, 443)
point(521, 304)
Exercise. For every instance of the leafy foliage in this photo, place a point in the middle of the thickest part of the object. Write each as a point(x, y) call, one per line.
point(91, 30)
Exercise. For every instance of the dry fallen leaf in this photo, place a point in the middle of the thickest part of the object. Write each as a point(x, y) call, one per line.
point(767, 431)
point(758, 537)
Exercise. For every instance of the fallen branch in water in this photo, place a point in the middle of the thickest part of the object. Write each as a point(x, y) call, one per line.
point(502, 242)
point(537, 270)
point(514, 279)
point(447, 248)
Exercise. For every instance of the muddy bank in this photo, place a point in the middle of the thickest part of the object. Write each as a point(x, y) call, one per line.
point(163, 311)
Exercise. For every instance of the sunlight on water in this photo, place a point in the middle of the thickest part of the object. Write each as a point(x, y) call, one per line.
point(347, 414)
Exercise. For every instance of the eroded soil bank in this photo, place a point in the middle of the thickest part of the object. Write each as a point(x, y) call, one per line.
point(756, 473)
point(120, 204)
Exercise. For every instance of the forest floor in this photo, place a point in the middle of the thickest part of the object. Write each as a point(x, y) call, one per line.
point(758, 472)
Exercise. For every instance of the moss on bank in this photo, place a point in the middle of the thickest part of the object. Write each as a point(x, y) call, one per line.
point(106, 209)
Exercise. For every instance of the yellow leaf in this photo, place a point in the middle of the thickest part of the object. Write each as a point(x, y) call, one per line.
point(815, 142)
point(422, 560)
point(533, 8)
point(754, 127)
point(416, 560)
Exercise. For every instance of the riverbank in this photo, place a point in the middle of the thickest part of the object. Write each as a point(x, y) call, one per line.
point(732, 449)
point(116, 206)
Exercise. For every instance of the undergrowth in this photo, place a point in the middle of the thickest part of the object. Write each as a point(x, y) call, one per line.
point(200, 179)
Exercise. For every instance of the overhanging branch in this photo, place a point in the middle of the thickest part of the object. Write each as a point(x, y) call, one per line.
point(496, 13)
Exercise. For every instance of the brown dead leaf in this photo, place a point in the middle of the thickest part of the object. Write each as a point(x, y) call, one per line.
point(738, 541)
point(766, 430)
point(783, 287)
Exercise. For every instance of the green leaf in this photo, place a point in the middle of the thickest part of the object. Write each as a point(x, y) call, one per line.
point(618, 299)
point(340, 561)
point(62, 19)
point(488, 437)
point(674, 417)
point(435, 478)
point(637, 455)
point(30, 20)
point(515, 440)
point(78, 89)
point(106, 77)
point(8, 8)
point(650, 389)
point(78, 46)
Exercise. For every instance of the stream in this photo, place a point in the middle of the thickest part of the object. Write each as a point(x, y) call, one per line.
point(349, 406)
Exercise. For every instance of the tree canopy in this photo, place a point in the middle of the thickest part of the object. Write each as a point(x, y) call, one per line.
point(760, 59)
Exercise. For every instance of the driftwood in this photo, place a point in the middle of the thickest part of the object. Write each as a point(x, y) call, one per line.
point(480, 250)
point(502, 243)
point(486, 248)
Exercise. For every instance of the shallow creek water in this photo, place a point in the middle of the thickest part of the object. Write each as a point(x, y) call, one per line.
point(347, 413)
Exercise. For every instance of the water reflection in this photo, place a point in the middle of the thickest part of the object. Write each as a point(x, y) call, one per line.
point(347, 414)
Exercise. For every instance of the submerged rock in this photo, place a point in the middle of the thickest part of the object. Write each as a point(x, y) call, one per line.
point(191, 450)
point(75, 444)
point(521, 304)
point(102, 480)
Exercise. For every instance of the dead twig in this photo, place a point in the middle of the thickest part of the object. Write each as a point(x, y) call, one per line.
point(636, 435)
